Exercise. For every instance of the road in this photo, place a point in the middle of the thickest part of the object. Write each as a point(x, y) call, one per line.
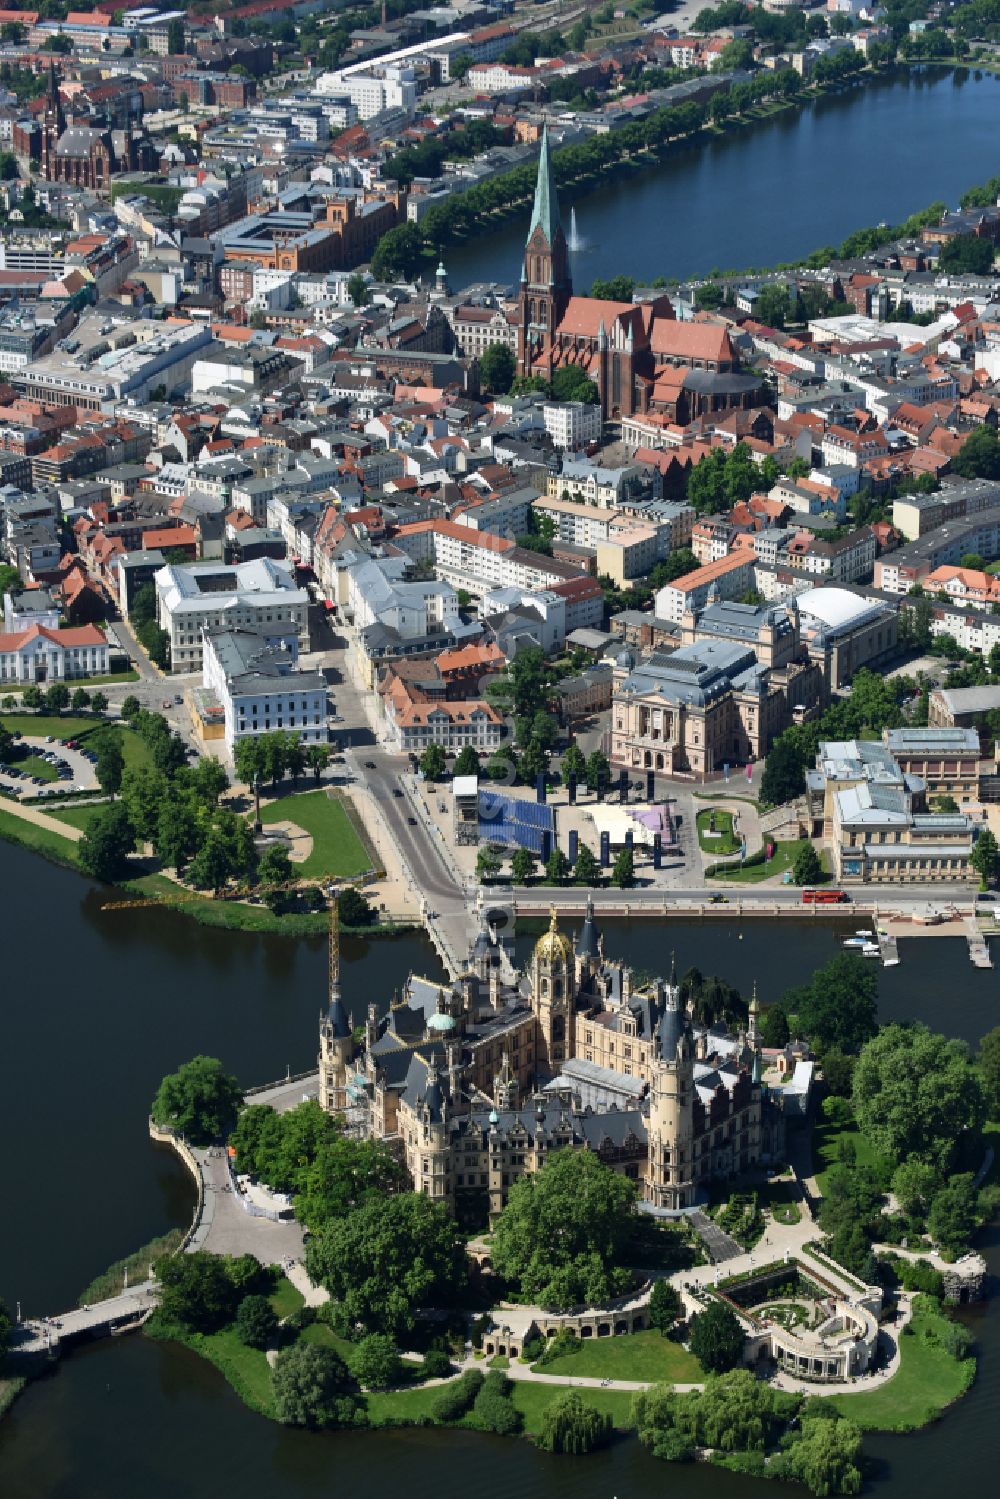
point(786, 898)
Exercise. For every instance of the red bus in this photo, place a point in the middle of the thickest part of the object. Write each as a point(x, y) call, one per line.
point(824, 897)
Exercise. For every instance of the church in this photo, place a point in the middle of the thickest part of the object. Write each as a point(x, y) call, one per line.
point(476, 1082)
point(640, 357)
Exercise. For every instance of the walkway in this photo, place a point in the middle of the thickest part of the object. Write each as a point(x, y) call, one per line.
point(720, 1245)
point(225, 1226)
point(42, 1335)
point(42, 820)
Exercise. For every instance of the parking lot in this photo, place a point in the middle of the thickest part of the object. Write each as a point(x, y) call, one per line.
point(73, 768)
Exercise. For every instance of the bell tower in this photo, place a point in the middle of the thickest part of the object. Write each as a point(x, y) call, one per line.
point(553, 990)
point(546, 286)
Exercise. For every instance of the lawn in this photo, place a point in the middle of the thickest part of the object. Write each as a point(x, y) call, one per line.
point(726, 841)
point(826, 1142)
point(33, 765)
point(79, 816)
point(643, 1356)
point(70, 726)
point(927, 1381)
point(752, 874)
point(52, 845)
point(397, 1407)
point(286, 1298)
point(337, 850)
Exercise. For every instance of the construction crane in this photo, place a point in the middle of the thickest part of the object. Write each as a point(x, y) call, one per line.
point(333, 946)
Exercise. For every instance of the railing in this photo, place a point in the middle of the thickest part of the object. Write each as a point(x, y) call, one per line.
point(170, 1137)
point(281, 1082)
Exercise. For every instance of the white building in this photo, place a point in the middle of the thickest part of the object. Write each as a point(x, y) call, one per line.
point(211, 596)
point(40, 655)
point(572, 424)
point(374, 91)
point(377, 594)
point(259, 688)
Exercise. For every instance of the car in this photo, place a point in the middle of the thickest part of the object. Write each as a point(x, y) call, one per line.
point(412, 821)
point(396, 791)
point(178, 698)
point(50, 739)
point(369, 765)
point(719, 900)
point(985, 895)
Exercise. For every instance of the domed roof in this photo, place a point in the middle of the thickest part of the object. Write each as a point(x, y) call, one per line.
point(836, 607)
point(441, 1022)
point(553, 946)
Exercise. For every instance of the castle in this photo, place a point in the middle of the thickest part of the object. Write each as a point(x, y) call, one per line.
point(477, 1081)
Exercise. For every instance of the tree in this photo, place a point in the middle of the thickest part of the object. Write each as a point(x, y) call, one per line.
point(497, 367)
point(665, 1306)
point(110, 761)
point(175, 38)
point(178, 831)
point(826, 1457)
point(574, 764)
point(432, 763)
point(967, 254)
point(357, 289)
point(839, 1005)
point(57, 697)
point(80, 700)
point(466, 762)
point(774, 1027)
point(807, 868)
point(106, 844)
point(915, 1093)
point(598, 770)
point(354, 908)
point(570, 383)
point(310, 1386)
point(376, 1363)
point(493, 1410)
point(623, 871)
point(398, 254)
point(487, 863)
point(562, 1236)
point(131, 708)
point(31, 697)
point(587, 870)
point(914, 1185)
point(212, 865)
point(199, 1100)
point(556, 867)
point(954, 1214)
point(317, 759)
point(984, 857)
point(256, 1322)
point(979, 455)
point(196, 1290)
point(275, 867)
point(784, 775)
point(717, 1338)
point(387, 1258)
point(534, 761)
point(571, 1425)
point(988, 1062)
point(522, 866)
point(250, 759)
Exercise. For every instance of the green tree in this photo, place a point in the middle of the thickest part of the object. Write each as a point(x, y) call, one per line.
point(570, 383)
point(398, 254)
point(497, 367)
point(493, 1410)
point(131, 708)
point(99, 702)
point(522, 866)
point(200, 1100)
point(106, 844)
point(256, 1322)
point(195, 1290)
point(342, 1173)
point(80, 700)
point(587, 870)
point(357, 289)
point(826, 1457)
point(774, 1026)
point(717, 1338)
point(375, 1363)
point(598, 770)
point(979, 455)
point(317, 759)
point(31, 697)
point(110, 761)
point(488, 862)
point(212, 865)
point(433, 763)
point(665, 1306)
point(534, 761)
point(466, 762)
point(175, 38)
point(178, 829)
point(311, 1387)
point(839, 1005)
point(915, 1094)
point(967, 254)
point(623, 871)
point(387, 1258)
point(573, 763)
point(275, 867)
point(562, 1236)
point(57, 697)
point(914, 1185)
point(988, 1061)
point(556, 867)
point(570, 1424)
point(250, 759)
point(954, 1214)
point(784, 775)
point(807, 868)
point(984, 857)
point(142, 792)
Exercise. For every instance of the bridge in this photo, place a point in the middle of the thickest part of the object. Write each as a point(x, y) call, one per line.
point(45, 1337)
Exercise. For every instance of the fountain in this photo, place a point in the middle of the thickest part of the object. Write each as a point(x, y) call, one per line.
point(574, 242)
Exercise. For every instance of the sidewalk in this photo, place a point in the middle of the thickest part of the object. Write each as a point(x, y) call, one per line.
point(42, 820)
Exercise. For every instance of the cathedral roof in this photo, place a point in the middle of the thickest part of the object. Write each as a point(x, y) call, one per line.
point(554, 946)
point(545, 214)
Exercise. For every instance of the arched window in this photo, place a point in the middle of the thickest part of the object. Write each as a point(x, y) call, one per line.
point(542, 314)
point(557, 989)
point(545, 988)
point(531, 310)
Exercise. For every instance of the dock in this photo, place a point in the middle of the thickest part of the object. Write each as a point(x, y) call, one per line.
point(887, 950)
point(979, 948)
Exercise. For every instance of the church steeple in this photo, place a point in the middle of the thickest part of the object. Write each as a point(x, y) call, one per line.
point(546, 286)
point(546, 211)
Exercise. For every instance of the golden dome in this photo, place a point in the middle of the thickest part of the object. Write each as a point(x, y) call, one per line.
point(553, 946)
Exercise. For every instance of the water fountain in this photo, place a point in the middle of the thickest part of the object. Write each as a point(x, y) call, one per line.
point(575, 242)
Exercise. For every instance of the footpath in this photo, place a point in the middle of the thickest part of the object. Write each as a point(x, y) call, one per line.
point(42, 820)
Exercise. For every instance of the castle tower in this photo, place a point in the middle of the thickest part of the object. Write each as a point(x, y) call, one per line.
point(434, 1175)
point(588, 948)
point(336, 1041)
point(553, 994)
point(505, 1088)
point(670, 1166)
point(753, 1023)
point(546, 286)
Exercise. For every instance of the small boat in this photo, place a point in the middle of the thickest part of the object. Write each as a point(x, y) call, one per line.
point(864, 932)
point(856, 941)
point(870, 950)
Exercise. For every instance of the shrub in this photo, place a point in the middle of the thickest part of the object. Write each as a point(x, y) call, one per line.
point(494, 1410)
point(455, 1399)
point(310, 1388)
point(376, 1362)
point(533, 1349)
point(256, 1322)
point(437, 1364)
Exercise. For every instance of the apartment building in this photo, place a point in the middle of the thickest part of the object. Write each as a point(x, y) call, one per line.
point(255, 680)
point(728, 578)
point(262, 594)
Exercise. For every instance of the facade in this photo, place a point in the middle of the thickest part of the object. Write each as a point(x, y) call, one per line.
point(727, 578)
point(480, 1081)
point(254, 679)
point(212, 596)
point(39, 654)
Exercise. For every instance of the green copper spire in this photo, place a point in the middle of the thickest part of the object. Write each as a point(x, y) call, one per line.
point(546, 211)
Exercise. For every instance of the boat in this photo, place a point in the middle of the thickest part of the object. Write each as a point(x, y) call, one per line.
point(870, 950)
point(856, 941)
point(864, 932)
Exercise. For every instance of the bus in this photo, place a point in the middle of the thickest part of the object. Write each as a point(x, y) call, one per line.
point(812, 897)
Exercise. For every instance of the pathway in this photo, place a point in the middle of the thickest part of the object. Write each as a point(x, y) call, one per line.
point(225, 1226)
point(42, 1334)
point(42, 820)
point(720, 1245)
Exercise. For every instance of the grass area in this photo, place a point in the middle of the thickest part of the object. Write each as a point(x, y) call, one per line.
point(337, 850)
point(16, 830)
point(786, 1212)
point(927, 1381)
point(638, 1355)
point(136, 1266)
point(79, 816)
point(533, 1399)
point(826, 1144)
point(752, 874)
point(246, 1369)
point(286, 1298)
point(72, 726)
point(724, 840)
point(33, 765)
point(88, 683)
point(402, 1407)
point(325, 1337)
